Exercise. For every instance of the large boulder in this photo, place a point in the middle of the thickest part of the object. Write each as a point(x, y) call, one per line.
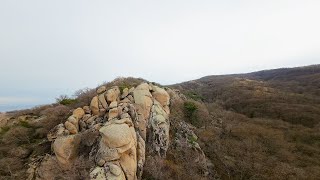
point(87, 109)
point(71, 127)
point(116, 135)
point(103, 101)
point(113, 113)
point(118, 144)
point(101, 89)
point(143, 102)
point(74, 120)
point(112, 94)
point(78, 113)
point(94, 105)
point(161, 95)
point(66, 149)
point(128, 163)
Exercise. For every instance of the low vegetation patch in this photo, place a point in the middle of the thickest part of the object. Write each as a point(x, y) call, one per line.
point(65, 100)
point(190, 109)
point(194, 95)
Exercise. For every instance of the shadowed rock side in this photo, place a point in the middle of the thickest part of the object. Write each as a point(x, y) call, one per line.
point(114, 127)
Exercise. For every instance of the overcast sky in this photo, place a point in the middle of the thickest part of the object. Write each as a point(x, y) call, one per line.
point(48, 48)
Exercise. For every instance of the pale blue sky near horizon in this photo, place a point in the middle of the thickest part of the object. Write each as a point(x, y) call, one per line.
point(49, 48)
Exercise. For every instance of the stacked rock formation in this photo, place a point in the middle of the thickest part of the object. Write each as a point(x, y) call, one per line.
point(122, 124)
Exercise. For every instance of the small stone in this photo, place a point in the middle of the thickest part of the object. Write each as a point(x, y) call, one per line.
point(102, 112)
point(97, 127)
point(114, 104)
point(71, 127)
point(86, 117)
point(125, 109)
point(73, 120)
point(115, 170)
point(130, 97)
point(78, 113)
point(101, 162)
point(91, 119)
point(113, 113)
point(98, 174)
point(125, 100)
point(82, 125)
point(86, 109)
point(124, 115)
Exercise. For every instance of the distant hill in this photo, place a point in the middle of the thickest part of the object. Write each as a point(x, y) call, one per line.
point(290, 94)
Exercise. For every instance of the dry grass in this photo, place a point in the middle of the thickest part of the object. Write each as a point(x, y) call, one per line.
point(261, 148)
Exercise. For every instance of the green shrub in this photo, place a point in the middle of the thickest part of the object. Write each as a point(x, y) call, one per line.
point(123, 86)
point(194, 95)
point(190, 109)
point(192, 139)
point(68, 101)
point(25, 124)
point(4, 129)
point(65, 100)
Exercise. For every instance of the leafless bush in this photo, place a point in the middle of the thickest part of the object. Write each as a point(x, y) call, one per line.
point(54, 116)
point(17, 135)
point(84, 96)
point(11, 168)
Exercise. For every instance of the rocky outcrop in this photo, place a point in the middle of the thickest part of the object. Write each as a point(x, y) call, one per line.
point(186, 140)
point(116, 127)
point(66, 149)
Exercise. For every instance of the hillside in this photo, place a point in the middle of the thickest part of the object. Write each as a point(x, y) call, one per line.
point(260, 125)
point(291, 94)
point(269, 122)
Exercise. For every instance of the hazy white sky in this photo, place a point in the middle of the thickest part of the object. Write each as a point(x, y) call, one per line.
point(55, 47)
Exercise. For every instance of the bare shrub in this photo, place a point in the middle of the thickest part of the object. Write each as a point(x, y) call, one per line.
point(53, 116)
point(84, 96)
point(18, 135)
point(50, 169)
point(12, 168)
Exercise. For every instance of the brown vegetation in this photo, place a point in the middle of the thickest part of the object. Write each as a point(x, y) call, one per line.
point(269, 123)
point(25, 137)
point(262, 125)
